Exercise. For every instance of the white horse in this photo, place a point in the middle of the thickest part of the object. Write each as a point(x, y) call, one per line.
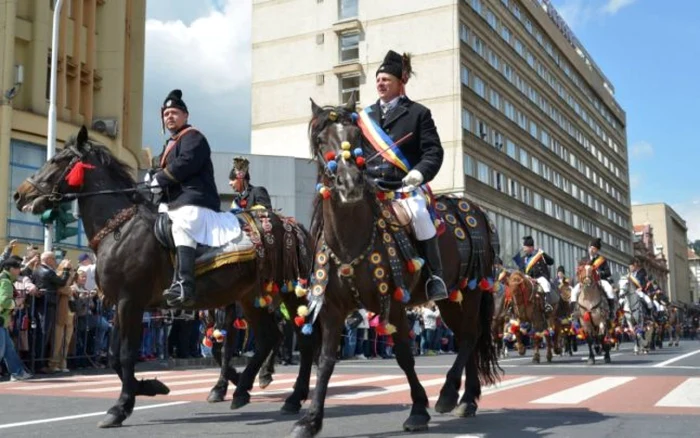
point(632, 303)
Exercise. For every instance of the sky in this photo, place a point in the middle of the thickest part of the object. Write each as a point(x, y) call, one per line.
point(648, 49)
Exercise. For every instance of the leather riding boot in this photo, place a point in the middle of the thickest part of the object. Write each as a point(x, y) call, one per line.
point(435, 288)
point(181, 293)
point(547, 307)
point(611, 306)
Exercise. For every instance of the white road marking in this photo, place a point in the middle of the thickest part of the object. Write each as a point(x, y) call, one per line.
point(119, 387)
point(341, 384)
point(79, 416)
point(507, 384)
point(34, 385)
point(584, 391)
point(675, 359)
point(207, 389)
point(386, 390)
point(602, 357)
point(685, 395)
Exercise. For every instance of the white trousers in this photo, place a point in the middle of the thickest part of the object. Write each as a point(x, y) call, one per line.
point(607, 287)
point(421, 222)
point(193, 225)
point(545, 284)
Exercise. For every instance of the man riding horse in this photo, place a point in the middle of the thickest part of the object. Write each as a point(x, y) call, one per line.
point(418, 158)
point(536, 264)
point(246, 195)
point(188, 194)
point(638, 277)
point(600, 264)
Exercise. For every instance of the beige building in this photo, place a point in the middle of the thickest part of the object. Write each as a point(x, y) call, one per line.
point(671, 234)
point(694, 277)
point(99, 85)
point(530, 125)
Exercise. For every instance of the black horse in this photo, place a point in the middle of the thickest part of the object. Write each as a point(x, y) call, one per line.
point(360, 250)
point(133, 268)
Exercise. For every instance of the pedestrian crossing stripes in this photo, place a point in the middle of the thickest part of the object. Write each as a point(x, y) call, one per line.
point(622, 394)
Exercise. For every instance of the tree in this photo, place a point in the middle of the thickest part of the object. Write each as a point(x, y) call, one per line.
point(695, 246)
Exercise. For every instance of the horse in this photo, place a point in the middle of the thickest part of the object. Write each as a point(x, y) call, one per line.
point(360, 248)
point(134, 267)
point(529, 307)
point(567, 336)
point(502, 314)
point(637, 324)
point(594, 308)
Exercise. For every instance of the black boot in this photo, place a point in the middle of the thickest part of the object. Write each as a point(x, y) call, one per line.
point(435, 288)
point(611, 306)
point(181, 292)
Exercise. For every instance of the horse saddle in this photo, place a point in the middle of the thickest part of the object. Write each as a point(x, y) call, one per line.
point(238, 250)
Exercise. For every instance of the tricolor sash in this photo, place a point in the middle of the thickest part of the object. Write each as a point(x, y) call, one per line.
point(536, 258)
point(381, 142)
point(635, 281)
point(599, 261)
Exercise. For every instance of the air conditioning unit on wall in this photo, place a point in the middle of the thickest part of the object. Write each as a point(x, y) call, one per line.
point(108, 127)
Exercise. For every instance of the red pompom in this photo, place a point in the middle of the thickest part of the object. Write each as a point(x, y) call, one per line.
point(381, 196)
point(398, 294)
point(76, 176)
point(326, 194)
point(360, 161)
point(299, 320)
point(587, 316)
point(329, 156)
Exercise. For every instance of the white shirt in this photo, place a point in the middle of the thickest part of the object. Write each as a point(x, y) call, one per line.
point(388, 106)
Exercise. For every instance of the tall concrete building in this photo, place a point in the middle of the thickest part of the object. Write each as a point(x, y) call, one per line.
point(529, 123)
point(694, 278)
point(671, 233)
point(99, 84)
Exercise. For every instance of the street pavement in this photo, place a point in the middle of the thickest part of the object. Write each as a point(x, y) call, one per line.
point(655, 395)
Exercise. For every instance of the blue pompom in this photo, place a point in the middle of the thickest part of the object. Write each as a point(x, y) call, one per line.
point(406, 296)
point(256, 303)
point(357, 152)
point(332, 165)
point(319, 186)
point(354, 117)
point(472, 283)
point(307, 329)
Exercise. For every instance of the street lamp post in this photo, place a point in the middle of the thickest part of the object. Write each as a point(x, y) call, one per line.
point(51, 134)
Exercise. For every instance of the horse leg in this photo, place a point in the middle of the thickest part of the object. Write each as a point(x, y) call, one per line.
point(268, 367)
point(519, 343)
point(419, 417)
point(331, 325)
point(266, 337)
point(222, 355)
point(606, 351)
point(292, 405)
point(591, 356)
point(536, 345)
point(449, 394)
point(129, 316)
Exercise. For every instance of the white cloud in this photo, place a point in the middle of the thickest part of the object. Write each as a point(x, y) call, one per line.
point(633, 202)
point(613, 6)
point(635, 181)
point(208, 58)
point(642, 149)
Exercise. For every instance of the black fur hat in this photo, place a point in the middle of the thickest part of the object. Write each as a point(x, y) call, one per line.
point(596, 243)
point(528, 241)
point(396, 65)
point(174, 100)
point(561, 269)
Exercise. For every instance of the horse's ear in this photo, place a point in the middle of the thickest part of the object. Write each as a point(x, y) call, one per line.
point(315, 109)
point(82, 138)
point(351, 105)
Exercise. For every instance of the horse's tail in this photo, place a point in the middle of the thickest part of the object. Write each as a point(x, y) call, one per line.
point(485, 352)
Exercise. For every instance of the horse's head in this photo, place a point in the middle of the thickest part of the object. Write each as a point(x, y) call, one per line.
point(66, 173)
point(336, 142)
point(586, 275)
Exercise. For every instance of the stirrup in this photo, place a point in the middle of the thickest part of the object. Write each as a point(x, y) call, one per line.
point(175, 295)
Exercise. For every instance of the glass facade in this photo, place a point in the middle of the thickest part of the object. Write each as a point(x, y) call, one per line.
point(25, 159)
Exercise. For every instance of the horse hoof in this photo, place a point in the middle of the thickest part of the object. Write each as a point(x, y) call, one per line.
point(607, 359)
point(465, 410)
point(304, 429)
point(264, 382)
point(676, 344)
point(290, 408)
point(239, 401)
point(535, 359)
point(416, 423)
point(446, 403)
point(112, 420)
point(216, 395)
point(549, 359)
point(591, 361)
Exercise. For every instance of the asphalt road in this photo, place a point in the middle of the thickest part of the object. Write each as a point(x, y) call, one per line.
point(655, 395)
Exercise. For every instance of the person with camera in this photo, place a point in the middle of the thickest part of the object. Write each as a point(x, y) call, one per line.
point(11, 268)
point(48, 281)
point(65, 317)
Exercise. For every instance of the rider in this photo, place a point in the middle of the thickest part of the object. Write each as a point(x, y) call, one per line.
point(638, 277)
point(599, 263)
point(246, 195)
point(185, 181)
point(561, 280)
point(536, 265)
point(415, 160)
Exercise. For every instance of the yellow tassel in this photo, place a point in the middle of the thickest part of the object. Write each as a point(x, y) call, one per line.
point(390, 329)
point(303, 311)
point(345, 145)
point(300, 291)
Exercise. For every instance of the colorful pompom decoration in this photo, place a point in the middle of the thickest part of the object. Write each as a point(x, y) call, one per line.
point(345, 145)
point(456, 296)
point(329, 156)
point(401, 295)
point(346, 155)
point(307, 329)
point(360, 161)
point(325, 192)
point(303, 311)
point(357, 152)
point(299, 321)
point(463, 283)
point(414, 265)
point(389, 329)
point(219, 335)
point(354, 117)
point(300, 291)
point(485, 284)
point(332, 166)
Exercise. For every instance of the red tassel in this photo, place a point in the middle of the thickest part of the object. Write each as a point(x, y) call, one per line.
point(587, 316)
point(76, 176)
point(330, 155)
point(299, 320)
point(484, 284)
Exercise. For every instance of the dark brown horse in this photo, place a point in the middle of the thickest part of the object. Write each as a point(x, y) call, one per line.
point(361, 261)
point(133, 268)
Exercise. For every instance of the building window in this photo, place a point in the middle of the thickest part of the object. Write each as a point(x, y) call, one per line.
point(508, 72)
point(509, 109)
point(464, 33)
point(468, 165)
point(476, 5)
point(497, 181)
point(510, 149)
point(490, 18)
point(535, 165)
point(548, 207)
point(466, 120)
point(519, 47)
point(524, 158)
point(533, 129)
point(526, 196)
point(505, 34)
point(347, 9)
point(348, 86)
point(537, 201)
point(482, 172)
point(495, 99)
point(513, 188)
point(464, 74)
point(479, 86)
point(478, 46)
point(349, 47)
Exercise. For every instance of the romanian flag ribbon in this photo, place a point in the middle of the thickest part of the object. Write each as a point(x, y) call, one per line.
point(380, 141)
point(533, 261)
point(599, 261)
